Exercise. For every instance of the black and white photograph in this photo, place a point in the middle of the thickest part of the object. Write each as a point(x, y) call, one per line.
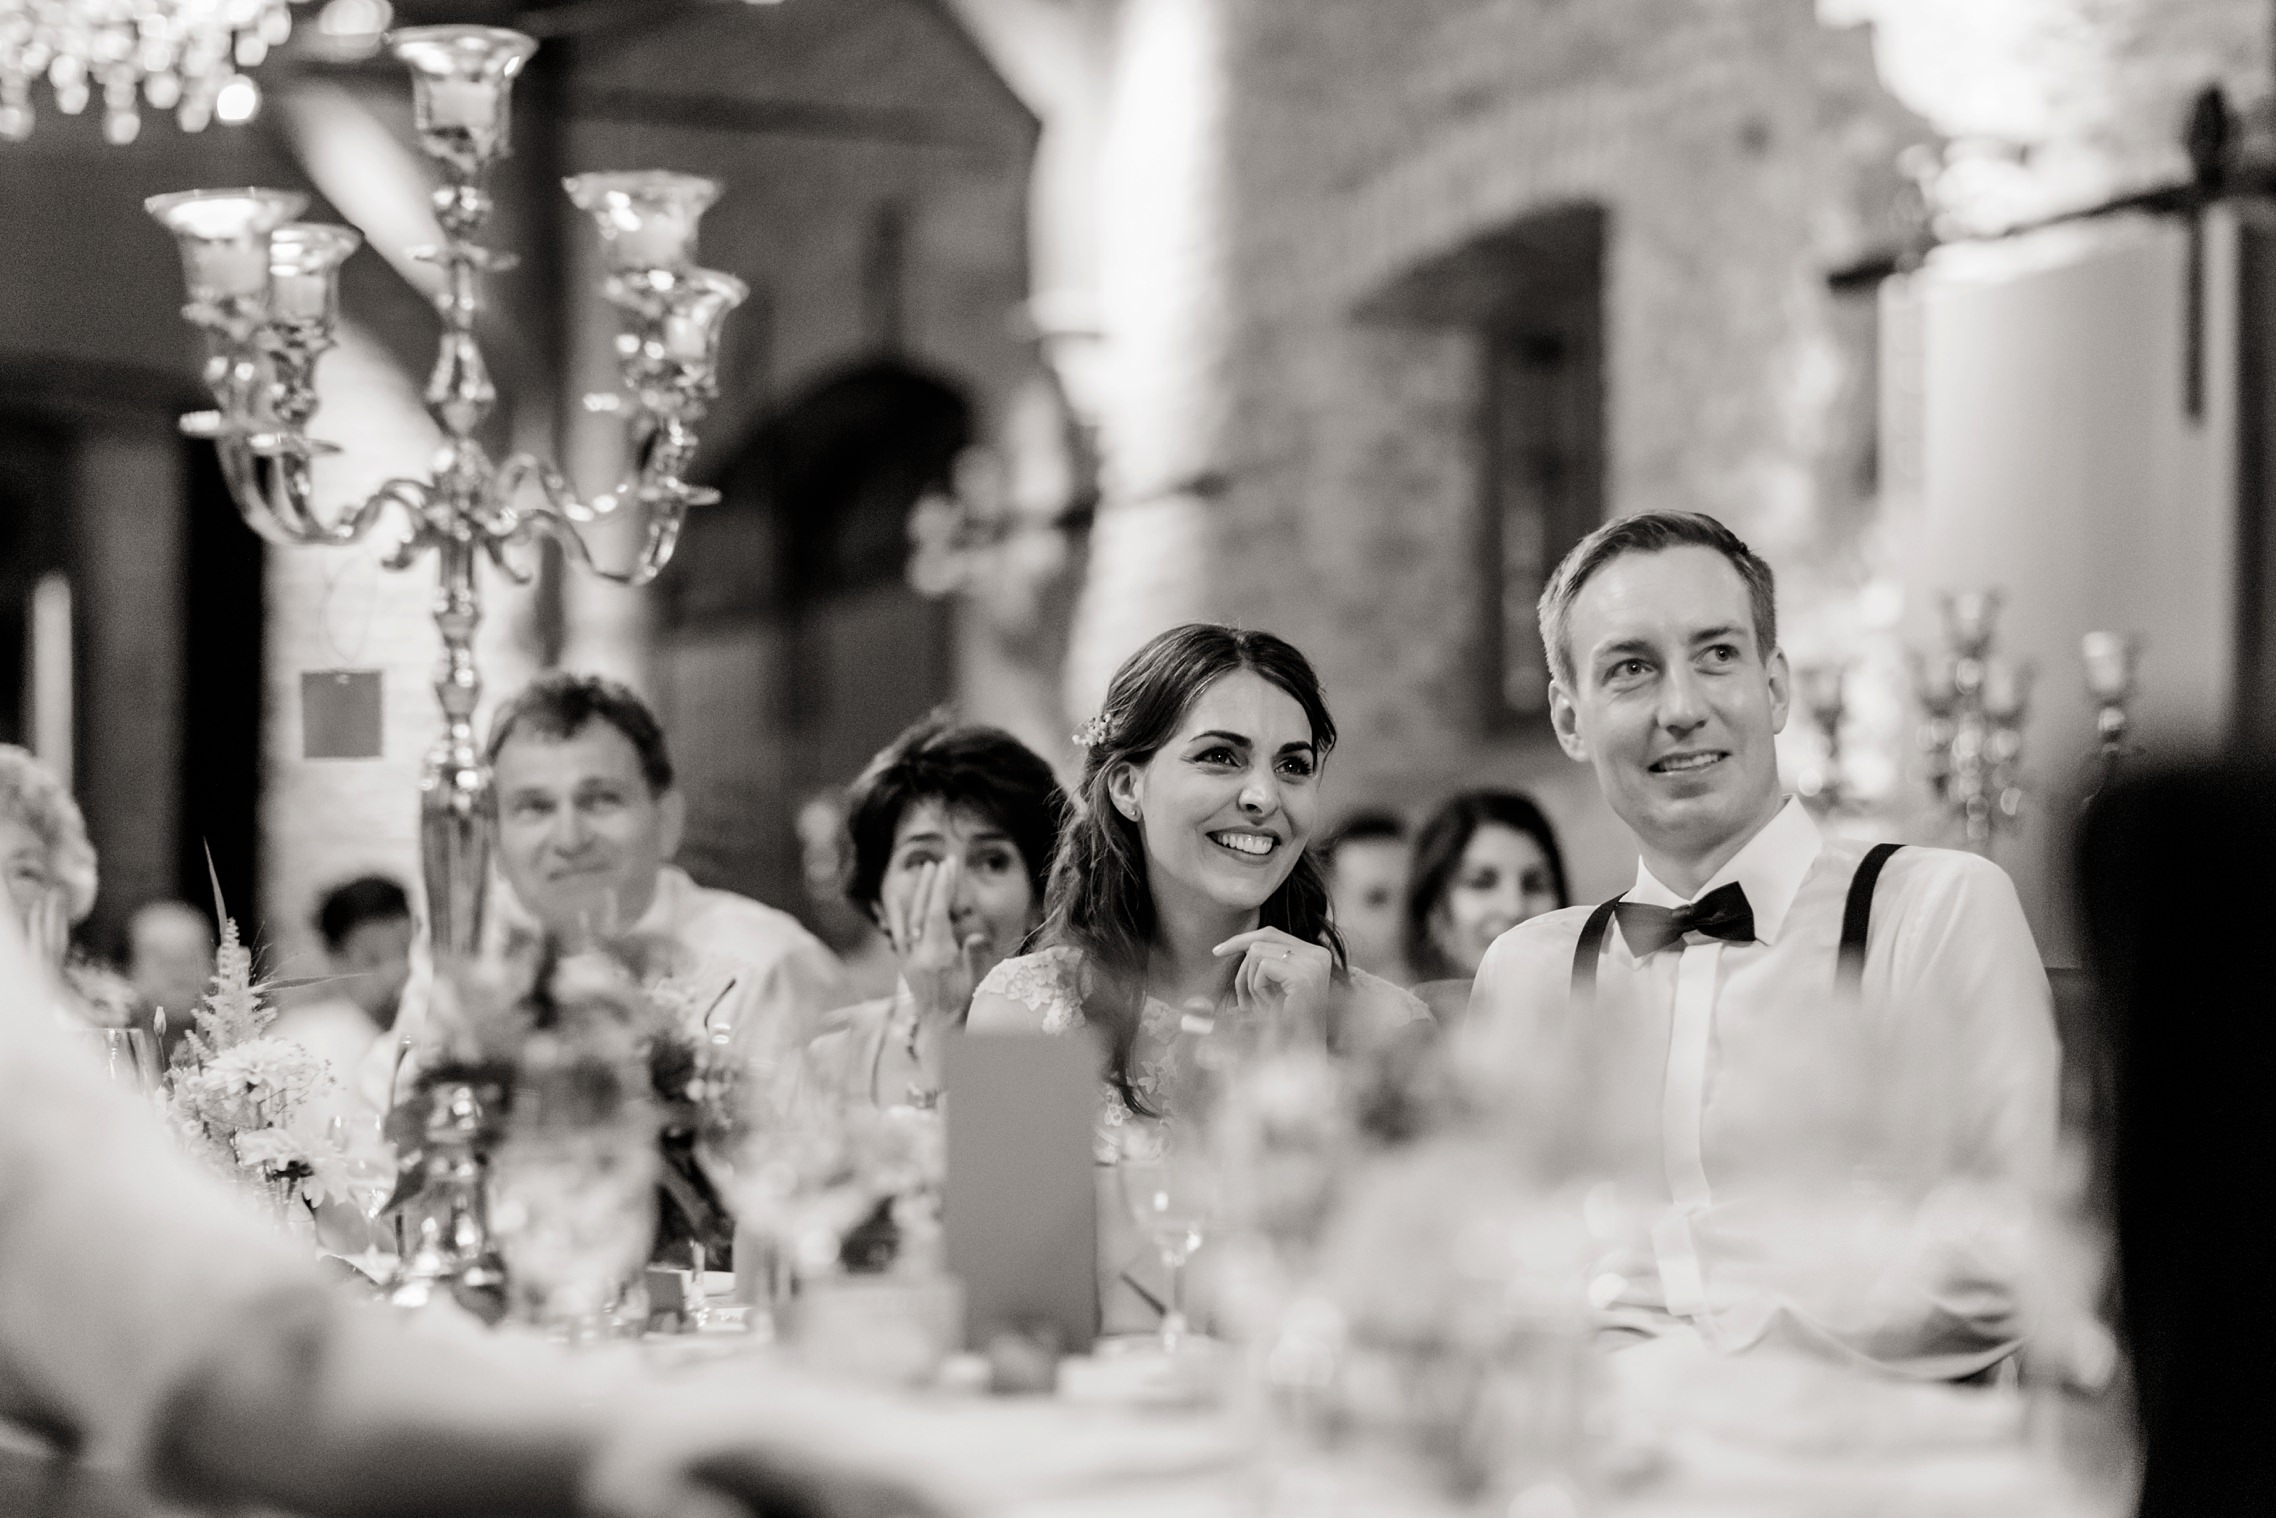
point(1137, 758)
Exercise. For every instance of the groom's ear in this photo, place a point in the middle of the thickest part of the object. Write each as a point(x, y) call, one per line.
point(1565, 721)
point(1781, 681)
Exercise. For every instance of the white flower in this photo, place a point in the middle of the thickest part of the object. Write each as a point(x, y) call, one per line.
point(271, 1150)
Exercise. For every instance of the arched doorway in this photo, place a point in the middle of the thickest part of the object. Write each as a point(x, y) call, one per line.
point(792, 647)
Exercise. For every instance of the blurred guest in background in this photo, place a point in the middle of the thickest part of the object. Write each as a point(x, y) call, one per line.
point(1486, 861)
point(953, 830)
point(366, 926)
point(587, 820)
point(169, 962)
point(44, 849)
point(50, 869)
point(1366, 861)
point(1183, 883)
point(1755, 1091)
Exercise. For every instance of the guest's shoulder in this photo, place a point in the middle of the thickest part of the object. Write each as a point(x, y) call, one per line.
point(1035, 991)
point(727, 921)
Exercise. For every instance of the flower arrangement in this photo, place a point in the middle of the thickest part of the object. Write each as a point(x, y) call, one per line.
point(245, 1100)
point(623, 1016)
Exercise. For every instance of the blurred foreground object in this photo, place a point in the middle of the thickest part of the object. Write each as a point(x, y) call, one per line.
point(264, 289)
point(2195, 1057)
point(150, 1325)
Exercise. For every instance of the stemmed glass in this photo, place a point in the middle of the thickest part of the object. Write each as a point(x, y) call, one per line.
point(1172, 1197)
point(367, 1161)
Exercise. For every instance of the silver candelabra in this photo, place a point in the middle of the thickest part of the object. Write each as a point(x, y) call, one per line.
point(264, 291)
point(1974, 703)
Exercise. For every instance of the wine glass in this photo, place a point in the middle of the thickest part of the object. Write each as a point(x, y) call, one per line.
point(1172, 1197)
point(367, 1161)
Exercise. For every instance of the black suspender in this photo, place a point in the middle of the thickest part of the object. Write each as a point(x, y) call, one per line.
point(1849, 964)
point(1857, 917)
point(1591, 949)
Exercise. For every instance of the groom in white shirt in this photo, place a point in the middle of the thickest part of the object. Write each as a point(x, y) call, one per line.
point(1833, 1068)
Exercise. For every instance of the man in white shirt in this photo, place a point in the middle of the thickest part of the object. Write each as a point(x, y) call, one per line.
point(587, 820)
point(367, 928)
point(1825, 1075)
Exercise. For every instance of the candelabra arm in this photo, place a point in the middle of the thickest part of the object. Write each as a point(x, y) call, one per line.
point(274, 492)
point(561, 512)
point(241, 470)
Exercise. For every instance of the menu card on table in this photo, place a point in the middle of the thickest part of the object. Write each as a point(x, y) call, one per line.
point(1019, 1210)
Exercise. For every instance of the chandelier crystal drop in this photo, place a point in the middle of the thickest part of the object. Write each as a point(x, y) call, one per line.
point(184, 56)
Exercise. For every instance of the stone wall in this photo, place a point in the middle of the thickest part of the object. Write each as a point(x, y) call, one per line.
point(1275, 456)
point(1740, 151)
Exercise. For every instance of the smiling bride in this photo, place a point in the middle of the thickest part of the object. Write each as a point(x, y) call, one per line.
point(1183, 898)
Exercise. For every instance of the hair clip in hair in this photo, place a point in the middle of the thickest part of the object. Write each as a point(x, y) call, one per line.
point(1092, 733)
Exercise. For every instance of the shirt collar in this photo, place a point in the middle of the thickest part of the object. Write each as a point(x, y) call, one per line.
point(1769, 869)
point(665, 908)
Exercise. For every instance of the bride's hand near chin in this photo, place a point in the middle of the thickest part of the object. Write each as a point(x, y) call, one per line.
point(1281, 977)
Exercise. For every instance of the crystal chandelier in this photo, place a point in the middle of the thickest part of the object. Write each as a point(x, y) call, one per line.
point(184, 56)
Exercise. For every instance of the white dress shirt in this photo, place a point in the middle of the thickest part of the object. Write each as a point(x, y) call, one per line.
point(751, 971)
point(1854, 1171)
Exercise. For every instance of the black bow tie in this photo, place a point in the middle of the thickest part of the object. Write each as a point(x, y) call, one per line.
point(1721, 913)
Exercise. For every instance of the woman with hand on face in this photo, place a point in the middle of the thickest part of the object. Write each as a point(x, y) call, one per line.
point(1183, 888)
point(953, 829)
point(1486, 861)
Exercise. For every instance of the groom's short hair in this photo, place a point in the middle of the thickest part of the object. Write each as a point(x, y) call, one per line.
point(1651, 532)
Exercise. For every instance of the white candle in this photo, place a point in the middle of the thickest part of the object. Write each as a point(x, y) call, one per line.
point(687, 339)
point(221, 269)
point(298, 295)
point(469, 103)
point(654, 237)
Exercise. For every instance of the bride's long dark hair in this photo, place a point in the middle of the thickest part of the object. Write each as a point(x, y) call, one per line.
point(1099, 899)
